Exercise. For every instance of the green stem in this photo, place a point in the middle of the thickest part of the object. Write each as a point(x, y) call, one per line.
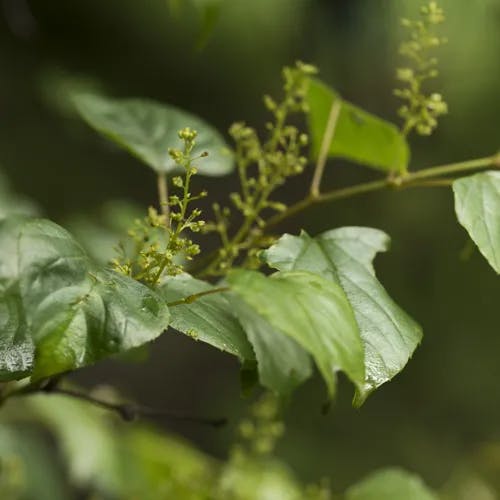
point(408, 180)
point(331, 126)
point(163, 196)
point(195, 296)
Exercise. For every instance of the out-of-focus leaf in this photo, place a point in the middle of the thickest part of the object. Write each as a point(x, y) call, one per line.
point(74, 312)
point(282, 363)
point(359, 136)
point(477, 205)
point(86, 438)
point(12, 203)
point(209, 318)
point(148, 129)
point(312, 311)
point(345, 256)
point(27, 468)
point(249, 480)
point(391, 484)
point(101, 233)
point(122, 460)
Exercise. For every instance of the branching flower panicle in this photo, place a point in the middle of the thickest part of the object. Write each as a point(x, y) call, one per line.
point(420, 111)
point(260, 432)
point(159, 239)
point(262, 166)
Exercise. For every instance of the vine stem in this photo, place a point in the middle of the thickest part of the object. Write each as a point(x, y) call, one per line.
point(328, 136)
point(427, 177)
point(163, 196)
point(127, 411)
point(195, 296)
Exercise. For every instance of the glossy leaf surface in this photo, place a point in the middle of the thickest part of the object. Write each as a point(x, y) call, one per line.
point(74, 312)
point(209, 318)
point(345, 256)
point(282, 363)
point(311, 310)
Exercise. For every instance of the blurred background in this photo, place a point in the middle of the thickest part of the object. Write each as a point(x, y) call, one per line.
point(445, 406)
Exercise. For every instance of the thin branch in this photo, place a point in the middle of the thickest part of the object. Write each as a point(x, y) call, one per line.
point(127, 411)
point(409, 180)
point(331, 125)
point(195, 296)
point(130, 411)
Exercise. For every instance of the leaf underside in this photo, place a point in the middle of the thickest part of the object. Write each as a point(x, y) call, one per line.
point(477, 205)
point(359, 136)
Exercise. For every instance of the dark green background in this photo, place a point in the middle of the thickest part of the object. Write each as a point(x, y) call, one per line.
point(446, 403)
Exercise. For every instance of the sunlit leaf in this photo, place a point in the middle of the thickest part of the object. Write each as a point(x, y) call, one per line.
point(359, 136)
point(75, 312)
point(345, 256)
point(477, 205)
point(209, 318)
point(391, 484)
point(147, 130)
point(311, 310)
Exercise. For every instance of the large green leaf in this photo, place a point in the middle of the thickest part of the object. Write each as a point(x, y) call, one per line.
point(311, 310)
point(390, 484)
point(209, 318)
point(477, 205)
point(359, 136)
point(282, 363)
point(74, 312)
point(147, 129)
point(345, 256)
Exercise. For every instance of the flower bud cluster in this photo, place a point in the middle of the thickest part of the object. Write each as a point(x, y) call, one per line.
point(159, 253)
point(420, 111)
point(263, 166)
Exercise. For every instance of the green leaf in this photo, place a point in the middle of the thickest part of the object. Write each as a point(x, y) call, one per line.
point(477, 205)
point(391, 484)
point(345, 256)
point(209, 318)
point(359, 136)
point(311, 310)
point(147, 130)
point(75, 312)
point(282, 363)
point(16, 345)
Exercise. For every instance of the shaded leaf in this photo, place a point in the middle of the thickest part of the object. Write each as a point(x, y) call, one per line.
point(312, 311)
point(147, 130)
point(359, 136)
point(477, 205)
point(282, 363)
point(391, 484)
point(345, 256)
point(209, 318)
point(75, 312)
